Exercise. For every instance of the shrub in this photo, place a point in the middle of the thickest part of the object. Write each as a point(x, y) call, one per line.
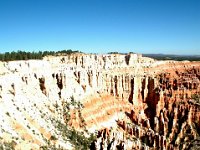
point(196, 97)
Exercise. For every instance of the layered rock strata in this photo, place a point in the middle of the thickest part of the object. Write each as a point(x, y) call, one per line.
point(130, 100)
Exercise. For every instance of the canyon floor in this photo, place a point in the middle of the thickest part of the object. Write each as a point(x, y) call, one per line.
point(100, 102)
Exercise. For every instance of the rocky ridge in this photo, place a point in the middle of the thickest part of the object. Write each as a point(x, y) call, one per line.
point(128, 101)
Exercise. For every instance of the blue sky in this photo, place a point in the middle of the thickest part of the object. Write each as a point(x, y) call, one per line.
point(100, 26)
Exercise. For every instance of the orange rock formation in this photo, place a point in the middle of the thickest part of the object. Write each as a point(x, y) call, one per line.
point(132, 102)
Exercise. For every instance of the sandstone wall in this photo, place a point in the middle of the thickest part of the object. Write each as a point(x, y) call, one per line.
point(111, 87)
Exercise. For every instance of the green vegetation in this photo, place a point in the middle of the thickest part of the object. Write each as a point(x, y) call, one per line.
point(53, 138)
point(79, 140)
point(173, 57)
point(7, 113)
point(22, 55)
point(76, 104)
point(196, 97)
point(7, 145)
point(76, 138)
point(113, 53)
point(50, 147)
point(66, 107)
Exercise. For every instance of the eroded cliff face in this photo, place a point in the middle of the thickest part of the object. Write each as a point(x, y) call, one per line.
point(129, 101)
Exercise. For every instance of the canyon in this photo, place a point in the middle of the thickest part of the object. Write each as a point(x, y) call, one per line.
point(126, 101)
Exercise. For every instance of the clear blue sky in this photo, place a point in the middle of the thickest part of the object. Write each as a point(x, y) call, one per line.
point(100, 26)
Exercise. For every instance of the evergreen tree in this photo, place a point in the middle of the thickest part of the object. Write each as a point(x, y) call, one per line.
point(22, 55)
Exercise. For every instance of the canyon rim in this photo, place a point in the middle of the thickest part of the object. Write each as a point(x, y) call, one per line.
point(99, 101)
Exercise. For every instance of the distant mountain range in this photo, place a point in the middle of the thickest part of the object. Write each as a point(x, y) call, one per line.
point(173, 57)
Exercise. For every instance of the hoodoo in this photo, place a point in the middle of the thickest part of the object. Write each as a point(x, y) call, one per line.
point(111, 101)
